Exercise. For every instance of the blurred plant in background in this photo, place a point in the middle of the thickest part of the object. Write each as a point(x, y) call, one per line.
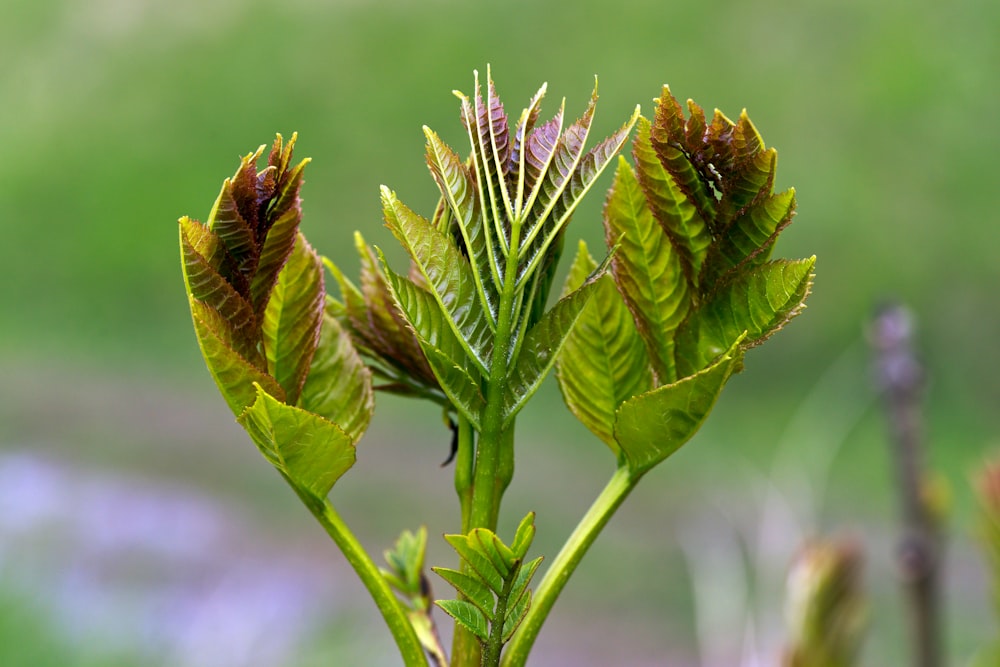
point(826, 610)
point(987, 485)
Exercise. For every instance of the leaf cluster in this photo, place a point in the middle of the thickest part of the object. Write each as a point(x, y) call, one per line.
point(493, 585)
point(691, 227)
point(282, 361)
point(473, 301)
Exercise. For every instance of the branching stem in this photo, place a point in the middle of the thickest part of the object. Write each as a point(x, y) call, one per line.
point(573, 551)
point(392, 611)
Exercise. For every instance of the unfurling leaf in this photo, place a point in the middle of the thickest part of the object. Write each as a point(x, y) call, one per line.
point(406, 576)
point(279, 356)
point(292, 319)
point(758, 302)
point(694, 224)
point(448, 278)
point(442, 348)
point(380, 331)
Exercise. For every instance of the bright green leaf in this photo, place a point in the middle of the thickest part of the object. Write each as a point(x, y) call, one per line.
point(603, 361)
point(339, 385)
point(310, 451)
point(515, 614)
point(541, 346)
point(448, 275)
point(475, 590)
point(647, 270)
point(468, 615)
point(758, 301)
point(406, 561)
point(481, 565)
point(292, 319)
point(524, 535)
point(440, 345)
point(652, 426)
point(524, 575)
point(488, 544)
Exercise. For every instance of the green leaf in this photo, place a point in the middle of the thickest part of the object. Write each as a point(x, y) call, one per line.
point(524, 536)
point(441, 346)
point(475, 590)
point(568, 189)
point(603, 362)
point(310, 451)
point(514, 616)
point(406, 562)
point(468, 615)
point(758, 301)
point(339, 385)
point(537, 354)
point(481, 565)
point(488, 544)
point(458, 189)
point(751, 236)
point(448, 275)
point(652, 426)
point(647, 269)
point(669, 199)
point(234, 375)
point(524, 575)
point(290, 328)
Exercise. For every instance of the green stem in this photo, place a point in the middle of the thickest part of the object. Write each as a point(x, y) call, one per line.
point(494, 446)
point(395, 617)
point(464, 459)
point(590, 526)
point(491, 652)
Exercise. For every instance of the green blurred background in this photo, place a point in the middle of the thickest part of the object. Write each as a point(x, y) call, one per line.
point(118, 117)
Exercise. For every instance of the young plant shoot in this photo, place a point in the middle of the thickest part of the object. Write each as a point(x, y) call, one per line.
point(643, 341)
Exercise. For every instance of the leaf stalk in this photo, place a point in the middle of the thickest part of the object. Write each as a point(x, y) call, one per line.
point(564, 564)
point(386, 601)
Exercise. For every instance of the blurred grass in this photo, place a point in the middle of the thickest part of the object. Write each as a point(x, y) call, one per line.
point(118, 117)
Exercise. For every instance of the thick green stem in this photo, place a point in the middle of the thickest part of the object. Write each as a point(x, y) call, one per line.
point(590, 526)
point(494, 446)
point(392, 611)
